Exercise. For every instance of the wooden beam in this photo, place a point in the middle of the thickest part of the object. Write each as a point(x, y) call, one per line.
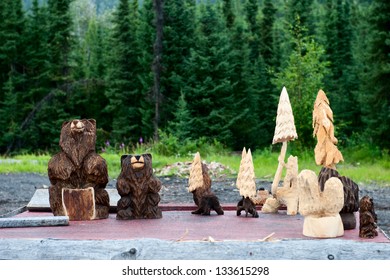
point(34, 221)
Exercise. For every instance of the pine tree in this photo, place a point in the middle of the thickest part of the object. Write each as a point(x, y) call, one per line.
point(227, 8)
point(375, 87)
point(178, 39)
point(208, 91)
point(122, 91)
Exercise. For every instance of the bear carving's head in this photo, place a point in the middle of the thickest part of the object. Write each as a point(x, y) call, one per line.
point(141, 164)
point(366, 204)
point(78, 138)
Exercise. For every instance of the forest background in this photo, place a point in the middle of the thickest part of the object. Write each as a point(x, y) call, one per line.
point(186, 75)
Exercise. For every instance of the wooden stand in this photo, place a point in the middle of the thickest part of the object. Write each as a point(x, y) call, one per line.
point(79, 204)
point(323, 227)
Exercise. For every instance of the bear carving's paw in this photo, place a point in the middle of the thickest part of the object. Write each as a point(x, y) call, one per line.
point(125, 215)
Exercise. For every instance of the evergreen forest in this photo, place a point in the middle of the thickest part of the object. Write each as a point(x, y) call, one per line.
point(192, 69)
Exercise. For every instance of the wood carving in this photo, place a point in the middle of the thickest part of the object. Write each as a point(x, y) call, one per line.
point(138, 189)
point(199, 184)
point(247, 185)
point(320, 208)
point(326, 152)
point(368, 218)
point(79, 204)
point(351, 196)
point(78, 166)
point(284, 132)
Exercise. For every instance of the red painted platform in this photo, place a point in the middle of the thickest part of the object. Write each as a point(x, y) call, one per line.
point(179, 225)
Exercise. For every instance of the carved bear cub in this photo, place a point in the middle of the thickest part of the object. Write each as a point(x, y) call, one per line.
point(138, 189)
point(78, 167)
point(368, 218)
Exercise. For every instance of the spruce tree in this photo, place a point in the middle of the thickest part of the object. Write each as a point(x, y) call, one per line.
point(375, 87)
point(208, 91)
point(122, 85)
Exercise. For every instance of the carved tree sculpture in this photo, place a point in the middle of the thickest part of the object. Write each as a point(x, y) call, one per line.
point(326, 152)
point(284, 132)
point(368, 218)
point(199, 184)
point(78, 175)
point(247, 185)
point(320, 208)
point(327, 155)
point(138, 189)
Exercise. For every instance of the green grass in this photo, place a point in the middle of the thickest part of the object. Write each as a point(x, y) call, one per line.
point(265, 164)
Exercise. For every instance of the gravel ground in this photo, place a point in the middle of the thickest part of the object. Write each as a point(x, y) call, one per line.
point(16, 191)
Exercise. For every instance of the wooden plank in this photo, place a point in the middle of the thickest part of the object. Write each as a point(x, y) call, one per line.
point(79, 204)
point(34, 221)
point(156, 249)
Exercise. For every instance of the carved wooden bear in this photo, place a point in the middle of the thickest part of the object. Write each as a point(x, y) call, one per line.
point(78, 168)
point(367, 218)
point(204, 198)
point(138, 188)
point(351, 196)
point(246, 204)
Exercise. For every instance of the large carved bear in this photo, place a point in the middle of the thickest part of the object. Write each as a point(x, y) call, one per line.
point(138, 188)
point(78, 167)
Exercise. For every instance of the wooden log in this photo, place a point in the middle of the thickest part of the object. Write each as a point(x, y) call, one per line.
point(155, 249)
point(79, 204)
point(34, 222)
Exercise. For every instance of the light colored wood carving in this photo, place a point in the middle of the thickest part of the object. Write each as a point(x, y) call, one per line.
point(326, 152)
point(79, 204)
point(195, 180)
point(271, 205)
point(320, 209)
point(284, 132)
point(246, 177)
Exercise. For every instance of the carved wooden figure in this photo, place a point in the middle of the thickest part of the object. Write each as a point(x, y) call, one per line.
point(78, 175)
point(320, 208)
point(367, 218)
point(138, 189)
point(247, 185)
point(351, 196)
point(199, 184)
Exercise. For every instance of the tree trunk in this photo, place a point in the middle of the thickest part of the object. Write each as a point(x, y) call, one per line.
point(157, 68)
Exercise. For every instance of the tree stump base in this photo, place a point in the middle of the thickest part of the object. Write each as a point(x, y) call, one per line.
point(79, 204)
point(349, 220)
point(323, 227)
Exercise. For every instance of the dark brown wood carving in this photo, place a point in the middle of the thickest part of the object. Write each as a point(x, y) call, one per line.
point(138, 189)
point(247, 205)
point(367, 218)
point(79, 167)
point(204, 198)
point(351, 196)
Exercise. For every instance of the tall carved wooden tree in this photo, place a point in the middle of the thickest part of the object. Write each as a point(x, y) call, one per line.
point(328, 155)
point(284, 132)
point(247, 185)
point(326, 152)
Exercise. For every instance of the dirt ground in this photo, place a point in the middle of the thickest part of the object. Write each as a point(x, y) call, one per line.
point(16, 190)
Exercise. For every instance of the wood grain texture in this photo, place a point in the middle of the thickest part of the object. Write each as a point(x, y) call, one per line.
point(34, 222)
point(79, 204)
point(156, 249)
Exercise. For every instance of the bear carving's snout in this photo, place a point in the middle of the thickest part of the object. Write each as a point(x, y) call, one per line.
point(137, 161)
point(77, 126)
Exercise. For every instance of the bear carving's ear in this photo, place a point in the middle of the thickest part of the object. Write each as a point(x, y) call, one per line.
point(65, 123)
point(92, 121)
point(148, 155)
point(123, 158)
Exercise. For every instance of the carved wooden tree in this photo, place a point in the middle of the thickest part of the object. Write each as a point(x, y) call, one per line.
point(328, 155)
point(320, 208)
point(368, 218)
point(326, 152)
point(78, 175)
point(138, 189)
point(247, 185)
point(199, 184)
point(284, 132)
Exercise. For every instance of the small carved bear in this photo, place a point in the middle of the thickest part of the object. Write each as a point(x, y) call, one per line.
point(367, 218)
point(204, 198)
point(138, 188)
point(248, 206)
point(78, 166)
